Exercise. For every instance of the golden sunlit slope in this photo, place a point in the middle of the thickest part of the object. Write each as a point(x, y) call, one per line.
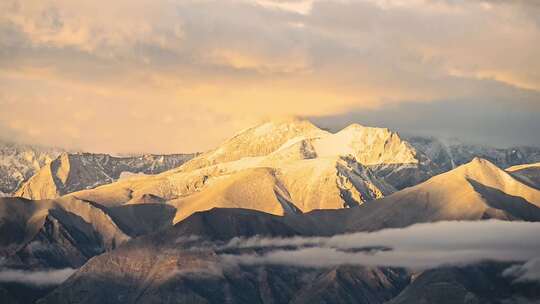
point(476, 190)
point(294, 186)
point(256, 189)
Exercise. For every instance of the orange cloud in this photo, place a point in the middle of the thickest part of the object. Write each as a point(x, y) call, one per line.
point(125, 75)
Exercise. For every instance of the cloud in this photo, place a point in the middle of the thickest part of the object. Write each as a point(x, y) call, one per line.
point(485, 121)
point(419, 246)
point(297, 6)
point(37, 278)
point(529, 271)
point(153, 73)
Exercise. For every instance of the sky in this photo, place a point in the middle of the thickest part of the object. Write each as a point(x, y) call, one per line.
point(166, 76)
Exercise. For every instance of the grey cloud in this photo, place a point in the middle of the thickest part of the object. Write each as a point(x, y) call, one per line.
point(37, 278)
point(419, 246)
point(496, 121)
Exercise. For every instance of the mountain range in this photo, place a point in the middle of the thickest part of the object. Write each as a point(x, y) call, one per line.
point(161, 236)
point(73, 172)
point(20, 162)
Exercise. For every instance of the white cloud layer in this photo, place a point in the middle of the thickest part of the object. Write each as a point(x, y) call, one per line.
point(419, 246)
point(37, 278)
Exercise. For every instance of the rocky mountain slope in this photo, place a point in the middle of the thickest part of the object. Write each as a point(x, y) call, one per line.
point(448, 154)
point(474, 191)
point(19, 162)
point(481, 283)
point(176, 277)
point(60, 233)
point(66, 232)
point(72, 172)
point(160, 238)
point(173, 266)
point(133, 275)
point(528, 174)
point(58, 236)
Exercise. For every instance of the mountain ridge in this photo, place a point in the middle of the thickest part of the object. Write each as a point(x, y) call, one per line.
point(71, 172)
point(297, 170)
point(19, 162)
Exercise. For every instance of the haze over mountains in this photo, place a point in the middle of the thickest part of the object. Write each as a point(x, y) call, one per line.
point(145, 238)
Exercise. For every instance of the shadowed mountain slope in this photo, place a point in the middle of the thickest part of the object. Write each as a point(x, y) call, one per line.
point(528, 174)
point(481, 283)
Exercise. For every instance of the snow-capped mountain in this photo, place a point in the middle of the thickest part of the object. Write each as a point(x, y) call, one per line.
point(73, 172)
point(259, 140)
point(19, 162)
point(280, 167)
point(384, 151)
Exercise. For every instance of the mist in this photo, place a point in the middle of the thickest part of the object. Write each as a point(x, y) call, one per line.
point(36, 278)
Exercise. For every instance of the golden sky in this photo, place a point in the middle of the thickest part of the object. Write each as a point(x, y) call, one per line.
point(169, 76)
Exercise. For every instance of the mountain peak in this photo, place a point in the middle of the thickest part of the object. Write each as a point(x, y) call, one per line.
point(283, 125)
point(369, 145)
point(260, 140)
point(480, 167)
point(480, 173)
point(355, 127)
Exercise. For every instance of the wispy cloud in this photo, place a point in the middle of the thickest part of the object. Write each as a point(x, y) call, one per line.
point(419, 246)
point(529, 271)
point(37, 278)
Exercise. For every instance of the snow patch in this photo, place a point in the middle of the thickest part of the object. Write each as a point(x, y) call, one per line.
point(126, 175)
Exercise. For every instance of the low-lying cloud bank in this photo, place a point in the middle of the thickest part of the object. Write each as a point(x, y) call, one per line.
point(36, 278)
point(419, 246)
